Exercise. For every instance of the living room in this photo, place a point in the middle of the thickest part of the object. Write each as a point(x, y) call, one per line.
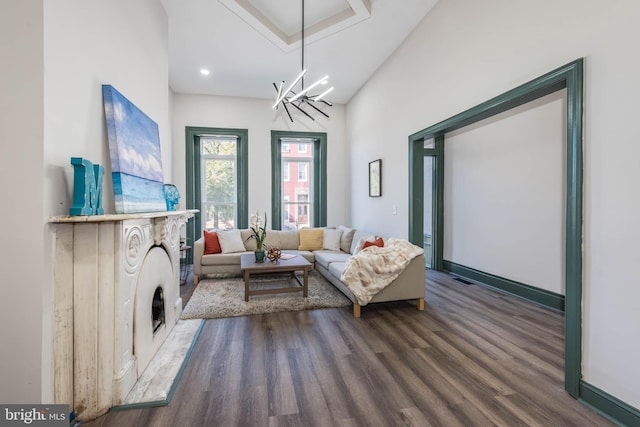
point(56, 56)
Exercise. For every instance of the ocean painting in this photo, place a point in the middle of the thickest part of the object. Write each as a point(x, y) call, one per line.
point(136, 163)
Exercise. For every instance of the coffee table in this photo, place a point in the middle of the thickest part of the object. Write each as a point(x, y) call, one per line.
point(249, 266)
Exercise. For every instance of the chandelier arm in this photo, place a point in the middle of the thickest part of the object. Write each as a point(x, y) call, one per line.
point(304, 112)
point(322, 95)
point(317, 109)
point(277, 94)
point(283, 94)
point(278, 89)
point(287, 110)
point(326, 102)
point(324, 79)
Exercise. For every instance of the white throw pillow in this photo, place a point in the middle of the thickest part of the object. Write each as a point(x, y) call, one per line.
point(331, 239)
point(230, 241)
point(358, 240)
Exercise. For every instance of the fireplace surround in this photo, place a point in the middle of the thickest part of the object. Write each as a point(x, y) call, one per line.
point(116, 298)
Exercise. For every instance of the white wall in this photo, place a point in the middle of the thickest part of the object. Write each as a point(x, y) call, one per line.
point(21, 174)
point(121, 43)
point(464, 53)
point(118, 42)
point(505, 193)
point(257, 116)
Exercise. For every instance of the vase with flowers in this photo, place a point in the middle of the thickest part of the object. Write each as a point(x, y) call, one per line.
point(258, 233)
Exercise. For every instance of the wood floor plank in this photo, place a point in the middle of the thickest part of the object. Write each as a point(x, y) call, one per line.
point(474, 357)
point(308, 390)
point(480, 395)
point(428, 391)
point(335, 392)
point(414, 417)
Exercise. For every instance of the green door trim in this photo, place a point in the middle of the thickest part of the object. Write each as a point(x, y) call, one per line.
point(319, 176)
point(569, 76)
point(437, 191)
point(192, 158)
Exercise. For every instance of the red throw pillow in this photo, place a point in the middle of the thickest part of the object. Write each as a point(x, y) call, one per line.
point(211, 243)
point(378, 242)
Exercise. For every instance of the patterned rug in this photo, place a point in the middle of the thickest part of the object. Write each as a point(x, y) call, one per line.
point(216, 298)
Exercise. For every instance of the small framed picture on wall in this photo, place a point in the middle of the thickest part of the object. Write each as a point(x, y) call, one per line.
point(375, 178)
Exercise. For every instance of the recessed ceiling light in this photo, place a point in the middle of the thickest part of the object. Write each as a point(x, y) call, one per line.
point(205, 72)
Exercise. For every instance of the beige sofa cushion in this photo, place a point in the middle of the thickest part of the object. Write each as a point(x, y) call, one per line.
point(309, 256)
point(346, 238)
point(249, 244)
point(326, 258)
point(336, 268)
point(222, 259)
point(282, 239)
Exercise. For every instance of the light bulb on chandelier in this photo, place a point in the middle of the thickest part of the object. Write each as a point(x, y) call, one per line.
point(302, 98)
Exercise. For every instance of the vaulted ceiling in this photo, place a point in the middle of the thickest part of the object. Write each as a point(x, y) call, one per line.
point(247, 45)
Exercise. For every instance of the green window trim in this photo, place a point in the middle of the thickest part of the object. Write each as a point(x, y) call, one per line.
point(320, 176)
point(192, 159)
point(569, 77)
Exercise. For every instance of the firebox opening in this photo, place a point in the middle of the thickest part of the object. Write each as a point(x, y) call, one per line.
point(157, 309)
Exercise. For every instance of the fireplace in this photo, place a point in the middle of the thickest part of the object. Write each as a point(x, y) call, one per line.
point(157, 310)
point(116, 299)
point(152, 320)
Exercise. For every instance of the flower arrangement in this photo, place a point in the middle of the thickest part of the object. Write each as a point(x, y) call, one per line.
point(258, 230)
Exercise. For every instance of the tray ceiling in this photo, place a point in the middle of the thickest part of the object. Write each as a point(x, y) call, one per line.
point(249, 44)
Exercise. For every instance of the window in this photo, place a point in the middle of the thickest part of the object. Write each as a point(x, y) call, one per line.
point(303, 210)
point(296, 193)
point(217, 176)
point(298, 200)
point(302, 171)
point(287, 214)
point(218, 189)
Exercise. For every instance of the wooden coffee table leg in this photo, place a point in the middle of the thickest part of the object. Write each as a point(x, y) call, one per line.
point(246, 285)
point(305, 291)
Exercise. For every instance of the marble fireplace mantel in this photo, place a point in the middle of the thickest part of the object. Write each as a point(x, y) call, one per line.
point(185, 214)
point(108, 270)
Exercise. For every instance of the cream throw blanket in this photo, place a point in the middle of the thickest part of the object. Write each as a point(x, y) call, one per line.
point(373, 269)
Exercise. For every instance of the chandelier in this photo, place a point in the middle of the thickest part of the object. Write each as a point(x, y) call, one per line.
point(303, 98)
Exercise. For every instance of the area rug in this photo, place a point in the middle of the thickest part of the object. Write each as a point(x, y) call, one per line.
point(216, 298)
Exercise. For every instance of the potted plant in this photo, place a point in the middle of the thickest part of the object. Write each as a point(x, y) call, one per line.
point(258, 233)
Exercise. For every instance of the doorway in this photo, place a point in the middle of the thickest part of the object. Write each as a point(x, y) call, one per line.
point(569, 76)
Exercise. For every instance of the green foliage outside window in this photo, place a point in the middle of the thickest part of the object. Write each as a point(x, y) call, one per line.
point(219, 198)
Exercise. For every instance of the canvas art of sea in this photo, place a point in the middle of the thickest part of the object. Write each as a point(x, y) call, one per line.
point(136, 162)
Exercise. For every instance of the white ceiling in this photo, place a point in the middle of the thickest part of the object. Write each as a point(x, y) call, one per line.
point(250, 44)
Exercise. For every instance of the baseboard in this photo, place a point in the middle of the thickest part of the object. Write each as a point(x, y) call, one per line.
point(608, 406)
point(539, 296)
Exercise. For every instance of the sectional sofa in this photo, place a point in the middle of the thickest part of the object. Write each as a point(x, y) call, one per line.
point(328, 254)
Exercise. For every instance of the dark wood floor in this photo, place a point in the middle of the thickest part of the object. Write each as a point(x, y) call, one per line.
point(474, 357)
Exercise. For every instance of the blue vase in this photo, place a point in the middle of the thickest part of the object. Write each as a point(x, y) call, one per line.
point(259, 256)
